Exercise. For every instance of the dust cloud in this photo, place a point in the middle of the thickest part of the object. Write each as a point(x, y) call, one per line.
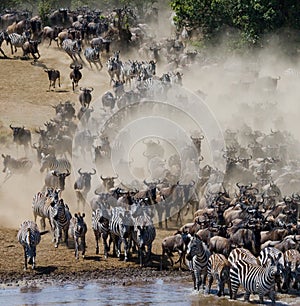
point(233, 98)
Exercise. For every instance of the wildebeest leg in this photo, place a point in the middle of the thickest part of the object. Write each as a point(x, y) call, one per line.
point(3, 53)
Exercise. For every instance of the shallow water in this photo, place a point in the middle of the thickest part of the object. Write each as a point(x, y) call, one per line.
point(93, 293)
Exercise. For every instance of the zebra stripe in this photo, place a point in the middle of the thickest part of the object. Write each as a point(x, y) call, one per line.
point(241, 253)
point(15, 166)
point(144, 230)
point(72, 48)
point(29, 237)
point(42, 204)
point(292, 265)
point(264, 259)
point(17, 40)
point(78, 229)
point(197, 255)
point(60, 217)
point(50, 162)
point(254, 278)
point(92, 55)
point(219, 268)
point(100, 226)
point(121, 226)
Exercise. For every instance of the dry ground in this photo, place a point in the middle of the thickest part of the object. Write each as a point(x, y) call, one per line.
point(25, 100)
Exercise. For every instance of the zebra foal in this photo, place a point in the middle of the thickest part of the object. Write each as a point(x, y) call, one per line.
point(78, 229)
point(197, 256)
point(29, 237)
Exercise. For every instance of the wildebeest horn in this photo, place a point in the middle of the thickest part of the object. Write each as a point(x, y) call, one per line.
point(11, 126)
point(102, 178)
point(94, 172)
point(91, 88)
point(82, 88)
point(34, 146)
point(201, 158)
point(115, 177)
point(72, 66)
point(79, 66)
point(79, 171)
point(238, 185)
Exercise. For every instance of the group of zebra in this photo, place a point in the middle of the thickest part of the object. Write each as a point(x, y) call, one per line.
point(257, 275)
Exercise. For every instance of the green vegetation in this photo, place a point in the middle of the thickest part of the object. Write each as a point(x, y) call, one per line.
point(245, 22)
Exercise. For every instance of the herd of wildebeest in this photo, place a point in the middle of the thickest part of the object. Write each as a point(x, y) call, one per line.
point(244, 227)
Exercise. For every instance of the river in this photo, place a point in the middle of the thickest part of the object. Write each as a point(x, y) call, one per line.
point(159, 292)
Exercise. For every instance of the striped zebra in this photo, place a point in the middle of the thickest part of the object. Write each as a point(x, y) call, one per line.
point(78, 229)
point(218, 268)
point(42, 203)
point(50, 162)
point(17, 40)
point(292, 265)
point(15, 166)
point(100, 226)
point(144, 231)
point(29, 237)
point(264, 260)
point(197, 256)
point(3, 36)
point(72, 48)
point(121, 227)
point(241, 253)
point(92, 55)
point(255, 278)
point(60, 218)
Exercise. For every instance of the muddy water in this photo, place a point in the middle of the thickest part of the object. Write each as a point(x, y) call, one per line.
point(93, 293)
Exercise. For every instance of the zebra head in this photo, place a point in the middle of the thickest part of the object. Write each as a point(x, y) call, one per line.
point(194, 247)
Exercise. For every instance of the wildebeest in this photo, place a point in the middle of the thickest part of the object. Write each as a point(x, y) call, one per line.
point(55, 179)
point(31, 47)
point(85, 96)
point(82, 186)
point(53, 75)
point(21, 136)
point(75, 74)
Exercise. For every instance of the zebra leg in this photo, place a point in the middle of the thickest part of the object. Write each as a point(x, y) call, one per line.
point(83, 246)
point(97, 237)
point(66, 237)
point(247, 297)
point(76, 248)
point(210, 281)
point(272, 296)
point(25, 259)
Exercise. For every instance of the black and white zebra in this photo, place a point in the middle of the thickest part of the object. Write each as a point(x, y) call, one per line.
point(60, 217)
point(218, 268)
point(15, 166)
point(29, 237)
point(17, 40)
point(78, 229)
point(241, 253)
point(292, 266)
point(42, 204)
point(50, 162)
point(197, 256)
point(255, 278)
point(264, 259)
point(144, 231)
point(72, 48)
point(100, 226)
point(92, 55)
point(3, 36)
point(121, 226)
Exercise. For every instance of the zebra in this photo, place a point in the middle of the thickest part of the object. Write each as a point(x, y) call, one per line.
point(60, 218)
point(121, 228)
point(78, 229)
point(218, 268)
point(114, 68)
point(144, 230)
point(241, 253)
point(72, 48)
point(197, 256)
point(4, 36)
point(255, 278)
point(29, 237)
point(15, 166)
point(92, 55)
point(264, 260)
point(100, 226)
point(18, 40)
point(50, 162)
point(42, 203)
